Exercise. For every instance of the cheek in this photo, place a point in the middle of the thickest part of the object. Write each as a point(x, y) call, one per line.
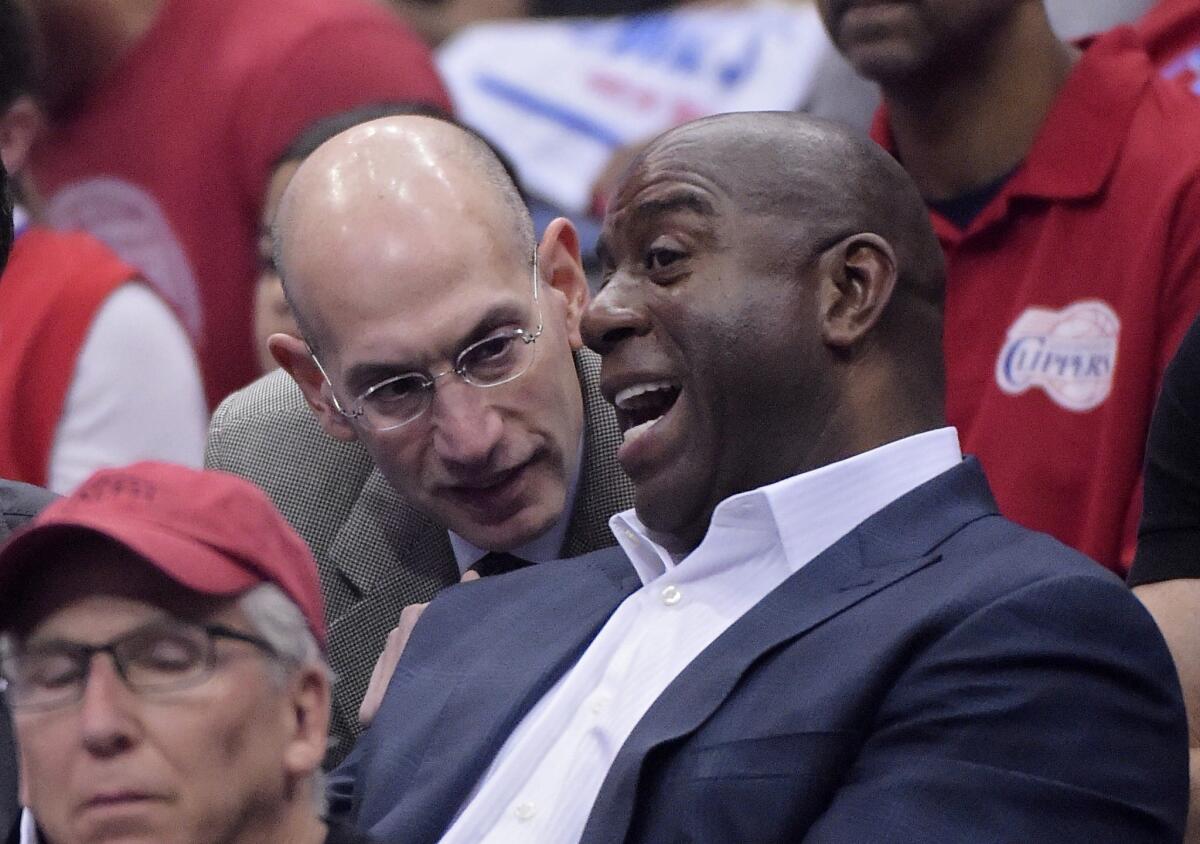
point(223, 753)
point(401, 457)
point(47, 751)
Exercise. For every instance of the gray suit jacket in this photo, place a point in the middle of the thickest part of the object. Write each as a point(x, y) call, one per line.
point(375, 553)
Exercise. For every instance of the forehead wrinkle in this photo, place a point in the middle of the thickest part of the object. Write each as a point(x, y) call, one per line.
point(662, 193)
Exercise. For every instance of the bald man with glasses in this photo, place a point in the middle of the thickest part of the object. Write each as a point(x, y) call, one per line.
point(461, 424)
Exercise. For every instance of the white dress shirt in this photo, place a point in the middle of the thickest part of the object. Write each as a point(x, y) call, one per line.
point(543, 782)
point(135, 395)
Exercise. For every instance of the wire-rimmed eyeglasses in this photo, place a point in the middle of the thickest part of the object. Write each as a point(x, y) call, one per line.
point(163, 656)
point(504, 355)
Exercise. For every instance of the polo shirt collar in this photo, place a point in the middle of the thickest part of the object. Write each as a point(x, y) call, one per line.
point(1080, 141)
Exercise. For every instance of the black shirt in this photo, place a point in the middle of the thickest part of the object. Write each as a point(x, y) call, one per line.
point(342, 834)
point(1169, 534)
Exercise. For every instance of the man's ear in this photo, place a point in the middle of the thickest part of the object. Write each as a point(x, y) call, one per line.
point(19, 125)
point(562, 269)
point(308, 722)
point(858, 276)
point(292, 355)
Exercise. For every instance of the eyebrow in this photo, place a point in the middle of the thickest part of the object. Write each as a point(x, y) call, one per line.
point(684, 200)
point(646, 210)
point(362, 376)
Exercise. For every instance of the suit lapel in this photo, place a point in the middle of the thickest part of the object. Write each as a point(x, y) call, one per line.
point(538, 622)
point(604, 488)
point(894, 543)
point(391, 556)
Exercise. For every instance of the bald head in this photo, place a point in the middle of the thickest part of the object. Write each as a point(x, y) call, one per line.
point(818, 180)
point(408, 181)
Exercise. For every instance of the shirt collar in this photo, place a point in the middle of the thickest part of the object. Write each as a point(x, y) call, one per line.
point(807, 512)
point(1097, 102)
point(540, 549)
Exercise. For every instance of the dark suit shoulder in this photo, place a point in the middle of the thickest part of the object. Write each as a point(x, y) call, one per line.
point(455, 617)
point(994, 556)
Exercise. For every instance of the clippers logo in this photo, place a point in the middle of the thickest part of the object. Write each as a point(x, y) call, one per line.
point(1071, 354)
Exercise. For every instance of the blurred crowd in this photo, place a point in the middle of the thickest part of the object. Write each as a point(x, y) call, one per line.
point(480, 289)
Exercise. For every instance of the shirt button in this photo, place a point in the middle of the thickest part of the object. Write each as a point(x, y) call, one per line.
point(598, 705)
point(671, 596)
point(525, 811)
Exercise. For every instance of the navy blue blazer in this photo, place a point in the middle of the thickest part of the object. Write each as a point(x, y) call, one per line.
point(939, 674)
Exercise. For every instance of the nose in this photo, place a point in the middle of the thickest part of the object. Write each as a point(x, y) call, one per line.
point(467, 427)
point(612, 316)
point(108, 723)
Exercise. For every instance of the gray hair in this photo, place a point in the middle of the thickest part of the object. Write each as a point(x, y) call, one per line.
point(277, 619)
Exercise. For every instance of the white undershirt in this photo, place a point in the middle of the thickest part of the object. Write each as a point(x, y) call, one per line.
point(136, 393)
point(543, 782)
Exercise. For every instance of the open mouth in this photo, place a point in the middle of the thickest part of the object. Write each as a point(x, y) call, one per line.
point(640, 406)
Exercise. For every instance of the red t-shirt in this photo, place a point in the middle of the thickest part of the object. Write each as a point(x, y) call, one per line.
point(168, 159)
point(1171, 33)
point(1068, 294)
point(50, 291)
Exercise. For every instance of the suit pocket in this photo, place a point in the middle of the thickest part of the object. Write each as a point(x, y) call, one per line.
point(804, 755)
point(764, 789)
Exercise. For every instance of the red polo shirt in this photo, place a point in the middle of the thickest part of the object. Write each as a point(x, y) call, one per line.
point(1068, 294)
point(167, 159)
point(1171, 33)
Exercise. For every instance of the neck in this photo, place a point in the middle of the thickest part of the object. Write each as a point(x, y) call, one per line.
point(971, 125)
point(299, 825)
point(88, 44)
point(270, 820)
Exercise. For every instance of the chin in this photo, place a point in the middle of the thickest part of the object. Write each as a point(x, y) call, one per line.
point(675, 527)
point(883, 63)
point(524, 526)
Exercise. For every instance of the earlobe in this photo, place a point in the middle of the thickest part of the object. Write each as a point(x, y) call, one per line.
point(562, 269)
point(858, 277)
point(292, 355)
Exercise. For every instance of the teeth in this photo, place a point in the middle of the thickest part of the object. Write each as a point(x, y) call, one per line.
point(636, 390)
point(637, 430)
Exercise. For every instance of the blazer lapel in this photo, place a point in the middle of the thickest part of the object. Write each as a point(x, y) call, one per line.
point(894, 543)
point(389, 556)
point(538, 623)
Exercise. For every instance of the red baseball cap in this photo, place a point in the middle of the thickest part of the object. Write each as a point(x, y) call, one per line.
point(209, 531)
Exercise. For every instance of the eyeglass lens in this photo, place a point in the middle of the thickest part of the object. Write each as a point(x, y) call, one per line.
point(159, 657)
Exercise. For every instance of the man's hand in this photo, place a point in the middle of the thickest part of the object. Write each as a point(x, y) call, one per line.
point(385, 666)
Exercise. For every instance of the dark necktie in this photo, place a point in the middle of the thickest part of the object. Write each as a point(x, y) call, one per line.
point(498, 562)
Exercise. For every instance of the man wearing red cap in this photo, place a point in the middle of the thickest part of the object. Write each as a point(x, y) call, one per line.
point(164, 652)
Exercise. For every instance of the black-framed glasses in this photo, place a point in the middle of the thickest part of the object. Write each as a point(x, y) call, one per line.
point(163, 656)
point(504, 355)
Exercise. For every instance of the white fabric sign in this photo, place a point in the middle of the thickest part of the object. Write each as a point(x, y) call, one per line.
point(558, 97)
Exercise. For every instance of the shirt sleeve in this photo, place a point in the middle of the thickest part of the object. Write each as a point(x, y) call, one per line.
point(338, 67)
point(136, 392)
